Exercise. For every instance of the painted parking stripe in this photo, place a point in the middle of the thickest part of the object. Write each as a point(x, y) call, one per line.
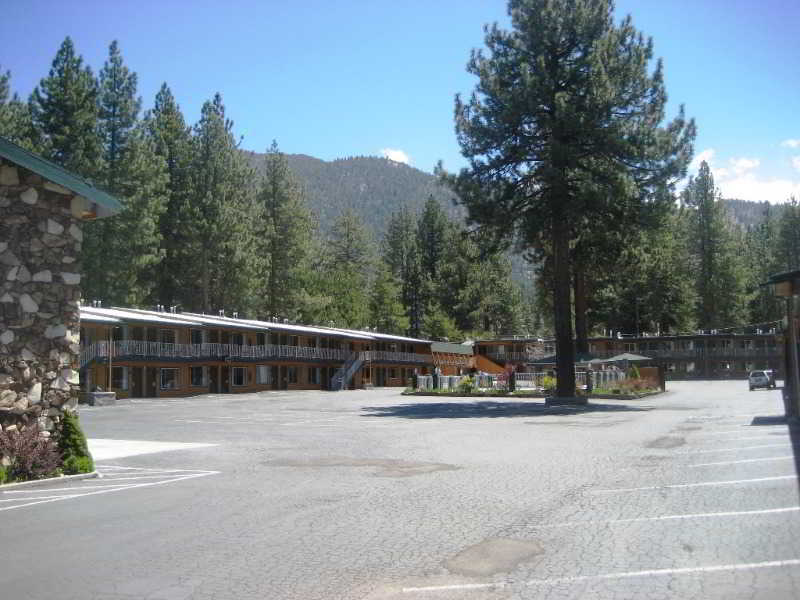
point(735, 513)
point(73, 492)
point(768, 436)
point(691, 485)
point(774, 564)
point(734, 449)
point(744, 460)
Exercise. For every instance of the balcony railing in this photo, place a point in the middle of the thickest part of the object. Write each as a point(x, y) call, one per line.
point(128, 349)
point(385, 356)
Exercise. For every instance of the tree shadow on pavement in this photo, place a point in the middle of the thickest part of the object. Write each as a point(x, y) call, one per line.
point(489, 409)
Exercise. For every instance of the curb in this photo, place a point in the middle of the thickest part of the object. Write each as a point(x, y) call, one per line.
point(50, 480)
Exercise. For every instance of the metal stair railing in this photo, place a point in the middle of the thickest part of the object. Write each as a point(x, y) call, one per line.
point(343, 376)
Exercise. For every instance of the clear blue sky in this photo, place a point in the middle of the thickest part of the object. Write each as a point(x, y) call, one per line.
point(334, 79)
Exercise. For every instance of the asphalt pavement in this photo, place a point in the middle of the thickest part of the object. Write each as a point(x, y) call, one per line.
point(373, 495)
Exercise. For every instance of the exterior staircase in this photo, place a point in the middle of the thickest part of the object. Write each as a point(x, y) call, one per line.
point(342, 377)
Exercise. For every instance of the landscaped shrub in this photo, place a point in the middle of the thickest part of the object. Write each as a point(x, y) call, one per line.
point(31, 456)
point(3, 475)
point(548, 383)
point(72, 446)
point(466, 385)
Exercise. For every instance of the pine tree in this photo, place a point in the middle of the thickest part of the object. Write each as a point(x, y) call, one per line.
point(788, 243)
point(64, 111)
point(120, 254)
point(720, 278)
point(171, 140)
point(431, 231)
point(285, 231)
point(118, 112)
point(761, 257)
point(386, 311)
point(401, 254)
point(565, 101)
point(349, 270)
point(15, 119)
point(221, 216)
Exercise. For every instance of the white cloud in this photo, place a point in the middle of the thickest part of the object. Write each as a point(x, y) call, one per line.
point(740, 178)
point(748, 186)
point(791, 143)
point(396, 155)
point(741, 165)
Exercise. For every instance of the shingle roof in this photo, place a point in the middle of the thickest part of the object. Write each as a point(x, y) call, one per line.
point(53, 172)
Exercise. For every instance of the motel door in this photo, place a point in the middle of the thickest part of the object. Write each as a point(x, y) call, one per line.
point(213, 380)
point(151, 382)
point(226, 380)
point(137, 385)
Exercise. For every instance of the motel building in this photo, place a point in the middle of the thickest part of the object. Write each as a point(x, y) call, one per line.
point(703, 355)
point(156, 353)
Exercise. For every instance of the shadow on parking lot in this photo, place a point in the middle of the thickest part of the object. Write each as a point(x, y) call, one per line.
point(466, 410)
point(793, 428)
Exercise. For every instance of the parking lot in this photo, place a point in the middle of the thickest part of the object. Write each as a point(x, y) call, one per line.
point(370, 494)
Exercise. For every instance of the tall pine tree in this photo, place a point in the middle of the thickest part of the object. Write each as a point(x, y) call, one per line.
point(64, 111)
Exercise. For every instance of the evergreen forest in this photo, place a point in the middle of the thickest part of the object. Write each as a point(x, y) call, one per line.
point(365, 242)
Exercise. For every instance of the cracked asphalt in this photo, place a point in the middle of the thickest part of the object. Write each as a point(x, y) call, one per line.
point(373, 495)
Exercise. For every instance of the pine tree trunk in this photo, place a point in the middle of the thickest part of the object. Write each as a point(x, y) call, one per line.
point(581, 303)
point(565, 353)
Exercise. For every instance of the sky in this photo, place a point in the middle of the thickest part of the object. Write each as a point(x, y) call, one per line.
point(378, 77)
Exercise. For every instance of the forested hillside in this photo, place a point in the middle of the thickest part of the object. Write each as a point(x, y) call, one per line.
point(373, 187)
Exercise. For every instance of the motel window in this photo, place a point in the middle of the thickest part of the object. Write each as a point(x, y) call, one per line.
point(392, 373)
point(629, 347)
point(199, 376)
point(549, 349)
point(313, 375)
point(689, 367)
point(274, 339)
point(167, 336)
point(670, 366)
point(169, 379)
point(237, 339)
point(293, 340)
point(239, 375)
point(291, 374)
point(261, 339)
point(725, 366)
point(263, 374)
point(197, 336)
point(119, 378)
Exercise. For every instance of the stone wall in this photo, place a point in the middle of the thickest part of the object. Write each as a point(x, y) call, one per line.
point(40, 244)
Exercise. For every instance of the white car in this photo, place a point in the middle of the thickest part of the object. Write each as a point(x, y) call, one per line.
point(757, 379)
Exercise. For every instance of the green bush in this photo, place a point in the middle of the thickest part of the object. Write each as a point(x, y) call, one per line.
point(3, 475)
point(78, 464)
point(548, 383)
point(72, 446)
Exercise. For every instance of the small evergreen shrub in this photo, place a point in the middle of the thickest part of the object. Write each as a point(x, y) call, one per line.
point(548, 383)
point(3, 475)
point(31, 456)
point(73, 447)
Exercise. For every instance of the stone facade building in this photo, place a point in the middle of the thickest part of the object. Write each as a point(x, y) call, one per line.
point(41, 210)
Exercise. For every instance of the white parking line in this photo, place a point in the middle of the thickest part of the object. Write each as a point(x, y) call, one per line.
point(77, 491)
point(769, 436)
point(744, 460)
point(691, 485)
point(734, 449)
point(737, 513)
point(625, 575)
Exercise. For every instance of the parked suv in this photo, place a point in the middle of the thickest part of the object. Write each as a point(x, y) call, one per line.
point(765, 379)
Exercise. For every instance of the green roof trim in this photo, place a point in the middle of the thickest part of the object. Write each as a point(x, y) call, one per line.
point(56, 174)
